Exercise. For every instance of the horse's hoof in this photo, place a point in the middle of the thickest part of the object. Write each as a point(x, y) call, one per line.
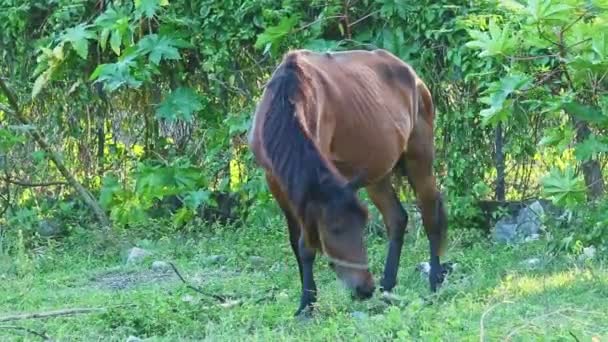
point(304, 312)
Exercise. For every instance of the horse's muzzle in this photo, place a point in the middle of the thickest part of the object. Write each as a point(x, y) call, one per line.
point(364, 292)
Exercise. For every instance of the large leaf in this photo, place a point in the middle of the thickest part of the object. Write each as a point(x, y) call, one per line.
point(148, 8)
point(498, 92)
point(115, 25)
point(553, 11)
point(115, 75)
point(181, 104)
point(564, 188)
point(590, 148)
point(78, 37)
point(273, 35)
point(586, 113)
point(160, 47)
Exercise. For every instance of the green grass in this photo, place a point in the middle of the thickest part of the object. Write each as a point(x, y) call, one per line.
point(490, 288)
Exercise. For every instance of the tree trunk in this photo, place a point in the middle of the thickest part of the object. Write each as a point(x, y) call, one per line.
point(592, 170)
point(84, 193)
point(500, 164)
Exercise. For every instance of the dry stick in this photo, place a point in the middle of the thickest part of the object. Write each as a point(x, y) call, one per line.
point(219, 298)
point(84, 193)
point(483, 317)
point(54, 313)
point(43, 336)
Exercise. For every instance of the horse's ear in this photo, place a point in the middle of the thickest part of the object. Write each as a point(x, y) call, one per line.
point(357, 181)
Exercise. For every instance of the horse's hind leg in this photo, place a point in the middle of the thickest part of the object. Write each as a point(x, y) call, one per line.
point(304, 256)
point(395, 219)
point(419, 169)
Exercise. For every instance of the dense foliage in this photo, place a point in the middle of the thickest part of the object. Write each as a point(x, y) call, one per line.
point(147, 102)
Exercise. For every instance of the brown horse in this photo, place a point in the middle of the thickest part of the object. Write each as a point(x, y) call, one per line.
point(330, 123)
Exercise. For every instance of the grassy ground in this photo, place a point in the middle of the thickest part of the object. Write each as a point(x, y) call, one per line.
point(493, 293)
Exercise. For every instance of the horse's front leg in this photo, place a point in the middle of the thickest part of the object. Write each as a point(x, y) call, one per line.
point(309, 288)
point(395, 219)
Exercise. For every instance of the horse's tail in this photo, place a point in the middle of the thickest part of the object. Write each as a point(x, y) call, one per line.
point(293, 157)
point(428, 108)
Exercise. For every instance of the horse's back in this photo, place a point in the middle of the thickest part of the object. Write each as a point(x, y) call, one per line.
point(368, 107)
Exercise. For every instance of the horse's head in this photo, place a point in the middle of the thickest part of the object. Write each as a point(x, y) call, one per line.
point(341, 224)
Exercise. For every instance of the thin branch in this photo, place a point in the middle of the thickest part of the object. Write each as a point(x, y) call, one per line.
point(32, 185)
point(47, 314)
point(43, 336)
point(363, 18)
point(219, 298)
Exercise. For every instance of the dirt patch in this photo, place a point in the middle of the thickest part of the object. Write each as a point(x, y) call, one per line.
point(123, 280)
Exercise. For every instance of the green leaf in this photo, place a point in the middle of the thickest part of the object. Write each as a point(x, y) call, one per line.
point(564, 188)
point(78, 37)
point(497, 42)
point(116, 41)
point(195, 198)
point(148, 7)
point(109, 187)
point(8, 140)
point(548, 10)
point(586, 113)
point(498, 92)
point(115, 75)
point(273, 35)
point(160, 47)
point(181, 104)
point(590, 148)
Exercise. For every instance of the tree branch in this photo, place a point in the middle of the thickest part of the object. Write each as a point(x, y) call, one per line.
point(41, 141)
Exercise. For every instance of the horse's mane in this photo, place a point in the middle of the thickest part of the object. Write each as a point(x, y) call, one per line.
point(294, 158)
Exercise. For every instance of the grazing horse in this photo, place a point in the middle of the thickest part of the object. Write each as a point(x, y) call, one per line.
point(329, 124)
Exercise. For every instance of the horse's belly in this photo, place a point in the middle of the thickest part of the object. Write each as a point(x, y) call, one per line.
point(376, 152)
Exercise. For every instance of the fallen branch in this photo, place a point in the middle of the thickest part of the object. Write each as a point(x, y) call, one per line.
point(32, 185)
point(54, 313)
point(220, 298)
point(43, 336)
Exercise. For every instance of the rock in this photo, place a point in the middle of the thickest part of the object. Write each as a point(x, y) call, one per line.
point(504, 230)
point(588, 252)
point(531, 263)
point(532, 237)
point(187, 299)
point(49, 228)
point(529, 219)
point(133, 339)
point(524, 227)
point(136, 255)
point(161, 266)
point(215, 259)
point(359, 315)
point(256, 260)
point(424, 268)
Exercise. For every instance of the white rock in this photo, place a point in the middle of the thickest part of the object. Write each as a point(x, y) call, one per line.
point(136, 255)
